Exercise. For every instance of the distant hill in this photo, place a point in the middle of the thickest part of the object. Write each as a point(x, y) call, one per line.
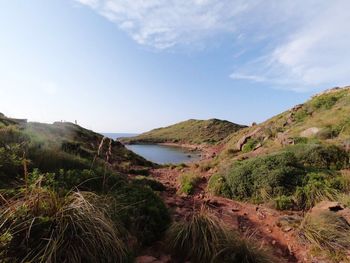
point(192, 131)
point(325, 118)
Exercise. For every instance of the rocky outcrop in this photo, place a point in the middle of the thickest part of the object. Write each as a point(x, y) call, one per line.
point(284, 139)
point(329, 206)
point(244, 139)
point(310, 132)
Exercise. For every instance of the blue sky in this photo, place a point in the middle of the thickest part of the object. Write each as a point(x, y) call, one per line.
point(130, 66)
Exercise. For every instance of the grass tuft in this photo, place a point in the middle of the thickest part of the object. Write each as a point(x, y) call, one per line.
point(188, 182)
point(203, 238)
point(41, 227)
point(326, 231)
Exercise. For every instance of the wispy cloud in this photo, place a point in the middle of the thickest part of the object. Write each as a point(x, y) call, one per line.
point(313, 55)
point(294, 45)
point(167, 23)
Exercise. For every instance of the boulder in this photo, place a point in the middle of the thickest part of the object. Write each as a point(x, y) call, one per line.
point(310, 132)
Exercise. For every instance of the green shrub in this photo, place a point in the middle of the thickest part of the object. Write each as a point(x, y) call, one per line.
point(284, 202)
point(325, 101)
point(145, 181)
point(203, 238)
point(328, 132)
point(267, 176)
point(11, 163)
point(323, 156)
point(249, 145)
point(300, 140)
point(188, 182)
point(142, 211)
point(300, 115)
point(217, 185)
point(317, 187)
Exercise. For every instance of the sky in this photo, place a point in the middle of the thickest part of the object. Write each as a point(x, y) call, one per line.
point(131, 66)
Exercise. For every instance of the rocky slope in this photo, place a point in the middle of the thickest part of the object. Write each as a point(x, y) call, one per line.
point(324, 118)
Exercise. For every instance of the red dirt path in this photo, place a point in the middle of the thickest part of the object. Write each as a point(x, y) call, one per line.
point(259, 222)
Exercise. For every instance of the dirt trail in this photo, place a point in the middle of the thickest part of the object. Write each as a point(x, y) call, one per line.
point(251, 220)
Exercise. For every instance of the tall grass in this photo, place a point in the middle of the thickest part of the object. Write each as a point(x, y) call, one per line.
point(203, 238)
point(326, 231)
point(188, 182)
point(42, 227)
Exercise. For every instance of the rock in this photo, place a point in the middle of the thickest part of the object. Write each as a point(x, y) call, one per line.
point(297, 107)
point(327, 206)
point(235, 209)
point(310, 132)
point(257, 146)
point(286, 228)
point(283, 139)
point(346, 145)
point(345, 213)
point(289, 221)
point(335, 207)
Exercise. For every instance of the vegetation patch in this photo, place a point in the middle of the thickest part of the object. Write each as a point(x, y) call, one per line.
point(188, 182)
point(203, 238)
point(142, 211)
point(262, 178)
point(250, 145)
point(148, 182)
point(327, 232)
point(217, 185)
point(40, 226)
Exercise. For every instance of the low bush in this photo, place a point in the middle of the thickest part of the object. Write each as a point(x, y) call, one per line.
point(217, 185)
point(321, 156)
point(146, 181)
point(203, 238)
point(328, 132)
point(301, 115)
point(249, 145)
point(188, 182)
point(265, 177)
point(326, 101)
point(142, 211)
point(284, 202)
point(317, 187)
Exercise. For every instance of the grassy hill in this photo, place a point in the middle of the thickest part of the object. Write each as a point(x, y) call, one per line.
point(65, 196)
point(67, 141)
point(211, 131)
point(324, 118)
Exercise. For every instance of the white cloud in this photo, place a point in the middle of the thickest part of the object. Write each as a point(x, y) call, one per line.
point(315, 55)
point(167, 23)
point(291, 44)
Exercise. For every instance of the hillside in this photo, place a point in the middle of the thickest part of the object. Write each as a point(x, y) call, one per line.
point(66, 143)
point(65, 196)
point(324, 118)
point(211, 131)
